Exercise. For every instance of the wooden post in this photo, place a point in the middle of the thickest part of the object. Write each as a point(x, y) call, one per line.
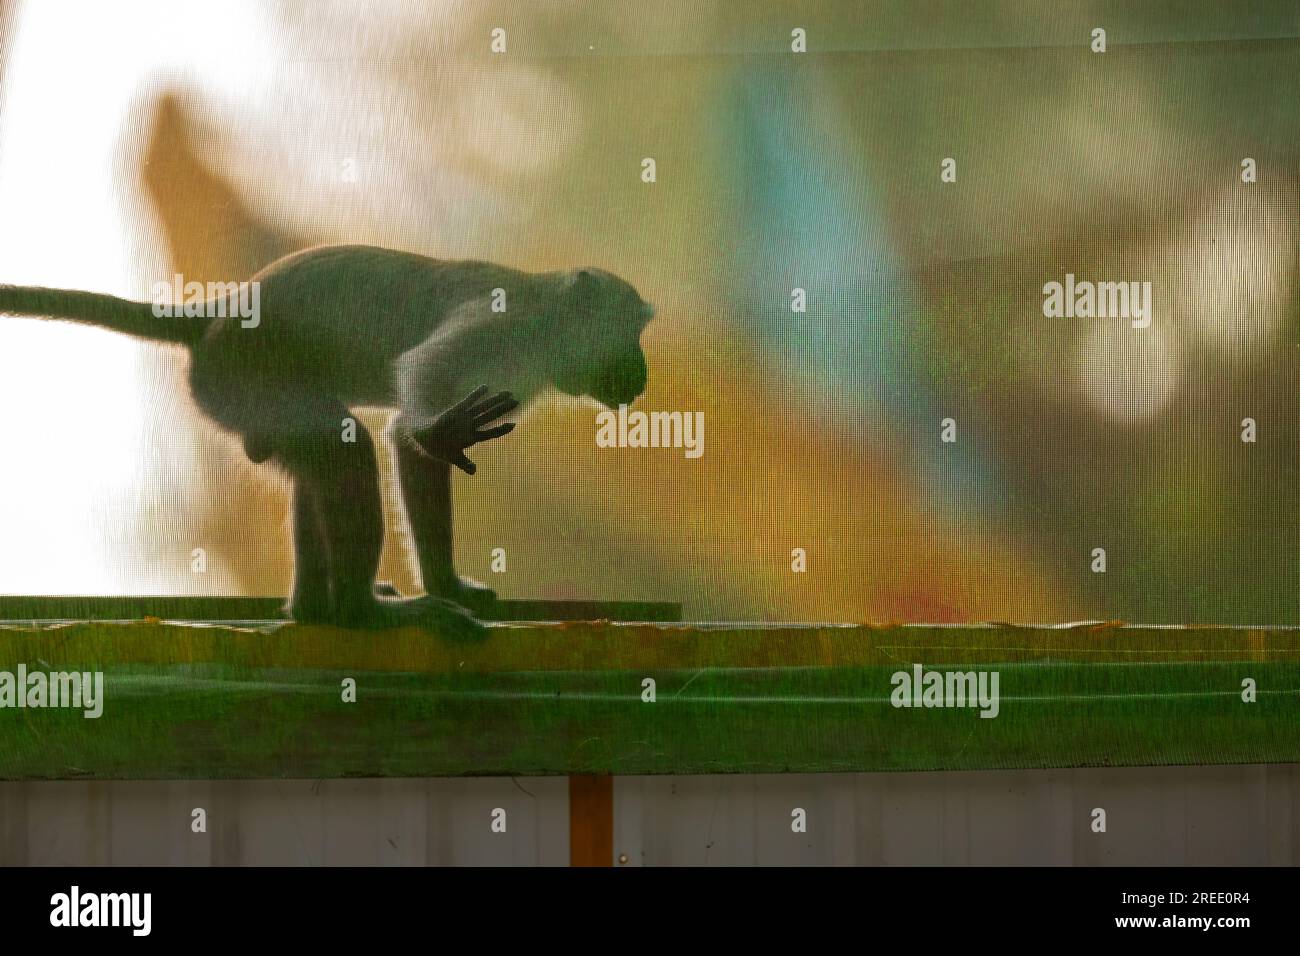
point(591, 821)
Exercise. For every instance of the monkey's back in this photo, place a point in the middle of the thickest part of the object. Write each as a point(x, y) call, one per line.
point(336, 318)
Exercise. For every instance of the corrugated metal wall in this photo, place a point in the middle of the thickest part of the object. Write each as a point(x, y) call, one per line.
point(1230, 815)
point(1233, 815)
point(286, 822)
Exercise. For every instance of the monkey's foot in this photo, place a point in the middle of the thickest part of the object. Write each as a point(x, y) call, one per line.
point(450, 620)
point(466, 592)
point(308, 610)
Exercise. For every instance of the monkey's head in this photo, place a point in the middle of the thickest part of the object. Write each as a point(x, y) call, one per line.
point(604, 320)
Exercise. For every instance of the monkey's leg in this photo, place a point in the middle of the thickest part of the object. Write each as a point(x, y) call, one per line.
point(310, 599)
point(426, 495)
point(338, 481)
point(338, 521)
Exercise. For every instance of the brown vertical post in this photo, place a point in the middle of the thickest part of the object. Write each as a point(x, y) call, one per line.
point(591, 821)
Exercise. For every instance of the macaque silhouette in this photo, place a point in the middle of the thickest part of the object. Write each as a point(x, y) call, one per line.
point(343, 326)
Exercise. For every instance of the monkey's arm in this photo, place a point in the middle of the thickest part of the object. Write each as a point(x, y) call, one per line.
point(437, 418)
point(465, 424)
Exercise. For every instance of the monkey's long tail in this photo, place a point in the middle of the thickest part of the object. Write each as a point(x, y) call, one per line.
point(105, 311)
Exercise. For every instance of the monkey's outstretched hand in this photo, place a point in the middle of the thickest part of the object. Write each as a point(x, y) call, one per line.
point(464, 424)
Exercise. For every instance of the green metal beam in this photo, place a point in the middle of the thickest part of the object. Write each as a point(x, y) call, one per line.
point(188, 701)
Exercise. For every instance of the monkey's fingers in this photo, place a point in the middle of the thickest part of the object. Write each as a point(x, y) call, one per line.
point(463, 463)
point(444, 443)
point(496, 399)
point(487, 434)
point(498, 406)
point(469, 400)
